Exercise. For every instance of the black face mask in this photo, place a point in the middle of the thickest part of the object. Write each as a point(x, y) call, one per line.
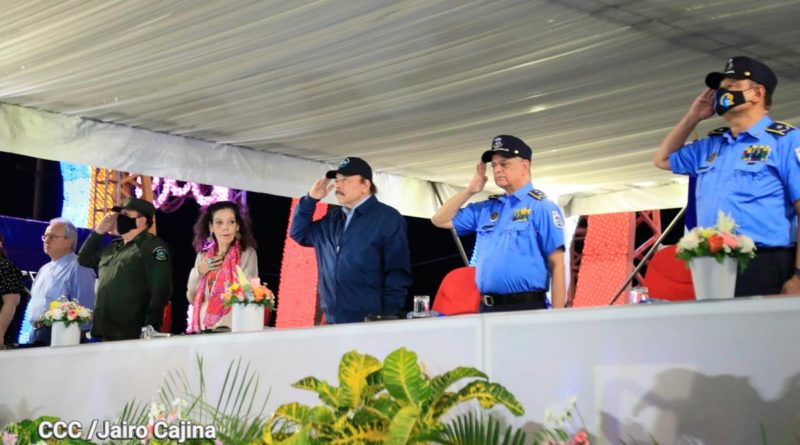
point(125, 224)
point(725, 100)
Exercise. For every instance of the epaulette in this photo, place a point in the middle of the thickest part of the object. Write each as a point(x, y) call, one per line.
point(718, 131)
point(780, 128)
point(495, 196)
point(537, 194)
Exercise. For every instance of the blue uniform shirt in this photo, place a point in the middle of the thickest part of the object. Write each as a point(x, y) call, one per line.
point(516, 234)
point(754, 177)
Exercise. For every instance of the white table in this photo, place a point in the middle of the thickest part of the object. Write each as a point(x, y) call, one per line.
point(708, 370)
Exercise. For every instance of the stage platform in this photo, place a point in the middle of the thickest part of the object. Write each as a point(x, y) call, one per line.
point(709, 370)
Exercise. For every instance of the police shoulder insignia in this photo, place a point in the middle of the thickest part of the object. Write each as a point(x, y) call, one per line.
point(537, 194)
point(494, 196)
point(718, 131)
point(780, 128)
point(160, 253)
point(557, 219)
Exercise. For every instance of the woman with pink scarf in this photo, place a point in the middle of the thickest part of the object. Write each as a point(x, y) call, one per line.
point(223, 240)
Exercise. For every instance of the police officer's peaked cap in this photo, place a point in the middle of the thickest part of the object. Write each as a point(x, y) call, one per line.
point(744, 68)
point(351, 166)
point(140, 205)
point(507, 146)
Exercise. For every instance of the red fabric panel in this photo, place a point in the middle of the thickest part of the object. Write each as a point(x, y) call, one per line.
point(458, 293)
point(667, 278)
point(166, 321)
point(606, 260)
point(297, 295)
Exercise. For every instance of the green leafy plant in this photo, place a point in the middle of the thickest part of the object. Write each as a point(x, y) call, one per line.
point(26, 432)
point(393, 402)
point(236, 414)
point(473, 429)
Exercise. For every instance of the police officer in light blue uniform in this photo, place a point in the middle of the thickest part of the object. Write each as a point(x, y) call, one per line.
point(520, 236)
point(750, 170)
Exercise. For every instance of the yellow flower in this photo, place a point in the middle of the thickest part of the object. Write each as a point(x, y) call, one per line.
point(725, 222)
point(54, 304)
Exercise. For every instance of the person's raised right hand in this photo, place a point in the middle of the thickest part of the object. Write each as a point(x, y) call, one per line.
point(478, 181)
point(321, 188)
point(207, 264)
point(107, 224)
point(703, 106)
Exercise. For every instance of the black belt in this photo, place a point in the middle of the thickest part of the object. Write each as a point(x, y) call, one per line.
point(515, 298)
point(768, 249)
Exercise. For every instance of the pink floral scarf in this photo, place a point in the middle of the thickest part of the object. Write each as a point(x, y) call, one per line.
point(218, 280)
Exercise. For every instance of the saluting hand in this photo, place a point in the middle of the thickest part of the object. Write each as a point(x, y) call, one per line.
point(107, 224)
point(703, 105)
point(478, 181)
point(321, 188)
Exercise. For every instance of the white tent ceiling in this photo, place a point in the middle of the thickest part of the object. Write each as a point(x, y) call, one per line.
point(418, 88)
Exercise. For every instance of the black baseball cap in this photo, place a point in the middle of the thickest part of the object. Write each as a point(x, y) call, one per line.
point(507, 146)
point(351, 166)
point(140, 205)
point(744, 68)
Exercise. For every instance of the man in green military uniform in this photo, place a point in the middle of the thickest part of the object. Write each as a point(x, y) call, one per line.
point(134, 272)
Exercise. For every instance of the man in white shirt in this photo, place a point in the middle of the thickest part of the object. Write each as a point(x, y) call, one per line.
point(62, 276)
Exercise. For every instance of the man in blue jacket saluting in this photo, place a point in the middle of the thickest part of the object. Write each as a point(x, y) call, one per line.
point(362, 247)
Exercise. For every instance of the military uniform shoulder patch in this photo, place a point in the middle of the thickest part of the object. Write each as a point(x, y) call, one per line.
point(537, 194)
point(160, 253)
point(718, 131)
point(780, 128)
point(557, 219)
point(495, 196)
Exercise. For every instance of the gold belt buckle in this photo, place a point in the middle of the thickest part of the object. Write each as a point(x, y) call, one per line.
point(488, 300)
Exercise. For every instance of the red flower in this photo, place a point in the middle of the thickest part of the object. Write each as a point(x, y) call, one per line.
point(581, 438)
point(715, 243)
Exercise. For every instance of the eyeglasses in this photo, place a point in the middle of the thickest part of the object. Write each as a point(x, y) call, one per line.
point(48, 236)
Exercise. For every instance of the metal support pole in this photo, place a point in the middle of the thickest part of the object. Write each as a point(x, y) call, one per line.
point(452, 231)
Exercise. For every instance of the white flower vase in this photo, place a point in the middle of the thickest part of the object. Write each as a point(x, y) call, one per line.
point(712, 279)
point(61, 335)
point(247, 317)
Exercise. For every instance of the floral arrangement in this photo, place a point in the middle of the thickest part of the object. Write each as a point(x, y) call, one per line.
point(719, 242)
point(67, 311)
point(245, 291)
point(26, 432)
point(563, 429)
point(172, 418)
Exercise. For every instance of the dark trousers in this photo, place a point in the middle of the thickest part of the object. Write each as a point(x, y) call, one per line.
point(41, 336)
point(766, 273)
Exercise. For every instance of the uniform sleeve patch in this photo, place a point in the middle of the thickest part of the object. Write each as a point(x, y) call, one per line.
point(160, 254)
point(557, 219)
